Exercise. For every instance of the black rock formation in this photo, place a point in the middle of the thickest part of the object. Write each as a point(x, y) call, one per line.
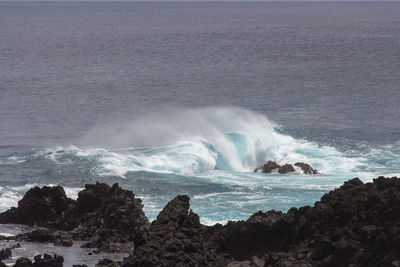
point(102, 215)
point(176, 238)
point(5, 253)
point(271, 166)
point(39, 206)
point(307, 169)
point(286, 169)
point(268, 167)
point(39, 261)
point(42, 235)
point(355, 225)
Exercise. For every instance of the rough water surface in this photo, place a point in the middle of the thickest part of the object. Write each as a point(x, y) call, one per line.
point(190, 98)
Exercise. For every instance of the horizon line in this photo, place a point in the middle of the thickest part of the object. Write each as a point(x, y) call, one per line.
point(200, 1)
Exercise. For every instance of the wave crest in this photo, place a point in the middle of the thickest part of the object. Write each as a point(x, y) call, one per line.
point(196, 141)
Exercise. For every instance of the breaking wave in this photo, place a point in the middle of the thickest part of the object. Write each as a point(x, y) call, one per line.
point(197, 141)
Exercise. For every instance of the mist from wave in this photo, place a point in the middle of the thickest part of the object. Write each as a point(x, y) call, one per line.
point(209, 154)
point(197, 141)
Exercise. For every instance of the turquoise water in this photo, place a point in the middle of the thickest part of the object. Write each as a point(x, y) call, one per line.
point(190, 98)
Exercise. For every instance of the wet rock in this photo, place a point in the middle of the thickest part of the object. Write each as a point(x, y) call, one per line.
point(269, 167)
point(108, 263)
point(48, 261)
point(43, 235)
point(39, 261)
point(272, 166)
point(307, 169)
point(286, 169)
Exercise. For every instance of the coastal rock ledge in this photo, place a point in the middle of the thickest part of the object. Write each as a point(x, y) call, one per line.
point(357, 224)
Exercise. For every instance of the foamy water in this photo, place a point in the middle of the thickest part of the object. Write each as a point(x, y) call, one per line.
point(209, 154)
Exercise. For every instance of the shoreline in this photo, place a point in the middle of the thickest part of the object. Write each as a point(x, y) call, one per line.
point(353, 224)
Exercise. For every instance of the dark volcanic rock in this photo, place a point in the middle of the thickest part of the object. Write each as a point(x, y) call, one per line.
point(58, 238)
point(260, 233)
point(23, 262)
point(176, 238)
point(5, 253)
point(108, 263)
point(286, 169)
point(271, 166)
point(268, 167)
point(102, 214)
point(39, 206)
point(39, 261)
point(48, 261)
point(110, 214)
point(307, 169)
point(357, 224)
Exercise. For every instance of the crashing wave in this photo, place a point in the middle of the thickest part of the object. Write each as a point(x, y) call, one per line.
point(196, 141)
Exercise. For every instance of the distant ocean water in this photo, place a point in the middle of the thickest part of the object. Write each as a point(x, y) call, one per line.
point(189, 98)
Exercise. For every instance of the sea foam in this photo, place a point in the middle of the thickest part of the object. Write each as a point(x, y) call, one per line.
point(197, 141)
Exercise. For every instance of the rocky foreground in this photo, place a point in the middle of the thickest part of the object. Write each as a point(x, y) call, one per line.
point(355, 225)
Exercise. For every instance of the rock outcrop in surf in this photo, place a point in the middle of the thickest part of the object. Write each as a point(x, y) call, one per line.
point(307, 169)
point(357, 224)
point(272, 166)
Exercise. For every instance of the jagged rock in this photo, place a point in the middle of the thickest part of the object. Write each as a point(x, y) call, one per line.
point(307, 169)
point(48, 261)
point(268, 167)
point(355, 225)
point(176, 238)
point(102, 214)
point(321, 250)
point(272, 166)
point(5, 253)
point(110, 214)
point(23, 262)
point(39, 206)
point(39, 261)
point(286, 169)
point(262, 232)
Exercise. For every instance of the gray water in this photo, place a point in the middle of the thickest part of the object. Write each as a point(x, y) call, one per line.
point(143, 93)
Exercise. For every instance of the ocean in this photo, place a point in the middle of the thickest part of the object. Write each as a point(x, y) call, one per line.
point(190, 98)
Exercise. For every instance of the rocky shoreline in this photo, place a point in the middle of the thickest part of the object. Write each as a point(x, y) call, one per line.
point(355, 225)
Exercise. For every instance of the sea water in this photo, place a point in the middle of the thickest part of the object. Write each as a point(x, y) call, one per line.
point(190, 98)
